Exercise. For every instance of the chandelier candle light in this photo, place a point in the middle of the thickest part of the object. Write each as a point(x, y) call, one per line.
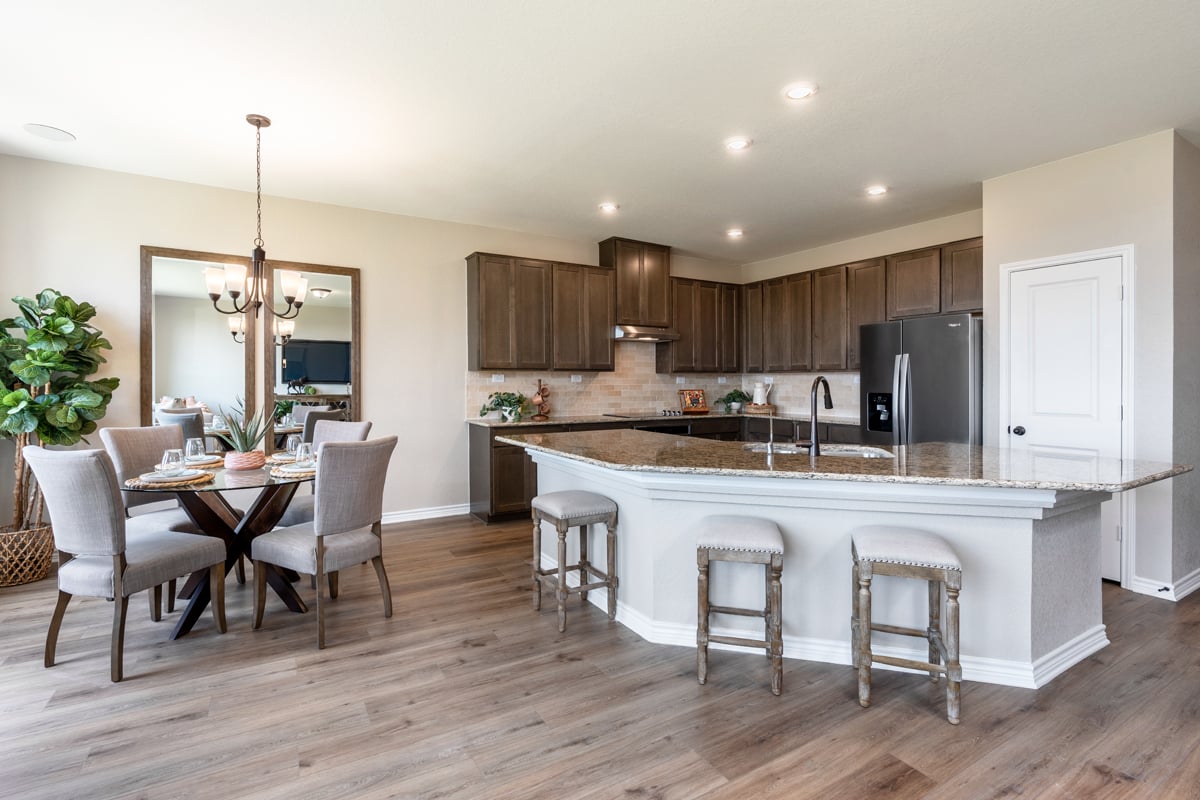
point(232, 277)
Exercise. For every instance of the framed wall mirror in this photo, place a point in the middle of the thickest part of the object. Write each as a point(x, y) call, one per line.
point(315, 359)
point(187, 350)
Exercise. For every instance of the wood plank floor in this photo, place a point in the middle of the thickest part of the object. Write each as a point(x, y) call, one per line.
point(468, 693)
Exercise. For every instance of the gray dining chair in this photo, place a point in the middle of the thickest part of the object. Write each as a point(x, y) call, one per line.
point(98, 556)
point(346, 528)
point(301, 508)
point(314, 417)
point(192, 423)
point(300, 412)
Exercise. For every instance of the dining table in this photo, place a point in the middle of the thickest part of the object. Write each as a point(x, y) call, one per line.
point(206, 504)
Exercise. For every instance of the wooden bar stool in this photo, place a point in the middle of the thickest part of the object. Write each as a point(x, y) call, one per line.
point(567, 510)
point(907, 553)
point(746, 540)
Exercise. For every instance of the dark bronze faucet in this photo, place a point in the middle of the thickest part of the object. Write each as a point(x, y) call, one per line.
point(815, 448)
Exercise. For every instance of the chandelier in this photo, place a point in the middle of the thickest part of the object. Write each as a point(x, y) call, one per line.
point(249, 292)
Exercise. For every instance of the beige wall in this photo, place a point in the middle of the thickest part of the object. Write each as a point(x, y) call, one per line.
point(1119, 195)
point(1186, 421)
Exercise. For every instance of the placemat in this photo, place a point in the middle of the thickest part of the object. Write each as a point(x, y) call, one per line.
point(137, 483)
point(280, 458)
point(276, 472)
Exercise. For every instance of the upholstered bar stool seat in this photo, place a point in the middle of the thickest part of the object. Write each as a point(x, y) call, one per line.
point(907, 553)
point(566, 510)
point(746, 540)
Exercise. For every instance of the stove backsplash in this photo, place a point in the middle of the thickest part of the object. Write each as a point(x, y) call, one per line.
point(635, 386)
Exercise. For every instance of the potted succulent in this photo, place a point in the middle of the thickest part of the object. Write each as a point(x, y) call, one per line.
point(246, 431)
point(510, 404)
point(734, 400)
point(46, 356)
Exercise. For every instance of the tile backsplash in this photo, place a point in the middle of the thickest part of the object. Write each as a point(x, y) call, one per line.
point(635, 386)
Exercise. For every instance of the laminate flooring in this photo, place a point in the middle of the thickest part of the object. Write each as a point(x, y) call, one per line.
point(468, 693)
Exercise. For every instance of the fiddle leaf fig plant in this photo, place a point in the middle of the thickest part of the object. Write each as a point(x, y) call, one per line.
point(46, 357)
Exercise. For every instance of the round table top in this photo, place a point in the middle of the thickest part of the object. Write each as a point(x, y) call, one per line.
point(224, 479)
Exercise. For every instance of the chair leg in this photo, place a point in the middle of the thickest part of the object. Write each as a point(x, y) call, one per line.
point(120, 607)
point(56, 619)
point(171, 596)
point(216, 588)
point(935, 625)
point(953, 668)
point(260, 592)
point(560, 591)
point(241, 570)
point(332, 579)
point(775, 622)
point(319, 575)
point(154, 593)
point(583, 560)
point(864, 634)
point(854, 614)
point(537, 563)
point(702, 616)
point(611, 526)
point(377, 562)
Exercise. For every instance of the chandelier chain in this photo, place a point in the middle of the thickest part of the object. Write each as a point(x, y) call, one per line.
point(258, 242)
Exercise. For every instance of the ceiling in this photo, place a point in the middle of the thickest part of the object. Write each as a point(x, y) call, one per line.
point(526, 114)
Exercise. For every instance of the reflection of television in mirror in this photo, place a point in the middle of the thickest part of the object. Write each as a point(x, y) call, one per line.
point(316, 361)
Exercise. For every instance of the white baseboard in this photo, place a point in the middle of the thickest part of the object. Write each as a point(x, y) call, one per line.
point(433, 512)
point(1186, 585)
point(1068, 655)
point(1152, 588)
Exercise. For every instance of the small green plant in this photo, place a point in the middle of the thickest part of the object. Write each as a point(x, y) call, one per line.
point(283, 408)
point(245, 430)
point(511, 404)
point(734, 396)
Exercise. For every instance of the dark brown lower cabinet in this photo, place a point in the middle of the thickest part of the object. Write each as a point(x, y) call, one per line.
point(503, 478)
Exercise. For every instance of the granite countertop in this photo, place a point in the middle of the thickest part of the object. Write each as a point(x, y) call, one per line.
point(826, 416)
point(933, 463)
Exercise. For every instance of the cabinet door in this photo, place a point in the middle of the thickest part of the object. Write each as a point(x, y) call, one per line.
point(866, 302)
point(799, 322)
point(752, 327)
point(914, 283)
point(729, 334)
point(775, 326)
point(509, 479)
point(568, 328)
point(599, 317)
point(706, 326)
point(531, 314)
point(656, 285)
point(627, 257)
point(495, 348)
point(683, 350)
point(962, 276)
point(829, 318)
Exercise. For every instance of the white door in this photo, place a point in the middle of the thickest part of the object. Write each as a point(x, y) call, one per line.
point(1064, 368)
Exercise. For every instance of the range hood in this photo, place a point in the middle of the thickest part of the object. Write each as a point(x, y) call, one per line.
point(640, 333)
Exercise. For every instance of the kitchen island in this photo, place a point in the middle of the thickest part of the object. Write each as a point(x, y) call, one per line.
point(1025, 525)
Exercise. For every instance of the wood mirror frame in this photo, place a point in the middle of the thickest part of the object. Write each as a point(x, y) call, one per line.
point(354, 397)
point(146, 351)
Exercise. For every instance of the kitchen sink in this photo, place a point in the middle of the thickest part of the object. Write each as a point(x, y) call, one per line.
point(837, 450)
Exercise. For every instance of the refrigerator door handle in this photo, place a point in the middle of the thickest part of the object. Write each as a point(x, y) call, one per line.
point(906, 377)
point(898, 401)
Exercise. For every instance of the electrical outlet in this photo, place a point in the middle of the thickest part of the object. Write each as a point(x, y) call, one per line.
point(497, 377)
point(576, 379)
point(722, 379)
point(680, 380)
point(768, 380)
point(857, 380)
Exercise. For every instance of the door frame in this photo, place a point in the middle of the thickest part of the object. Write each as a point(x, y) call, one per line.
point(1125, 253)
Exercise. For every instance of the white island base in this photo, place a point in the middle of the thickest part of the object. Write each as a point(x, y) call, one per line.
point(1030, 603)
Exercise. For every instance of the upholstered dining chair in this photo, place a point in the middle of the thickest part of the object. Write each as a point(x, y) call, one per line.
point(315, 417)
point(301, 508)
point(300, 412)
point(98, 556)
point(192, 424)
point(346, 528)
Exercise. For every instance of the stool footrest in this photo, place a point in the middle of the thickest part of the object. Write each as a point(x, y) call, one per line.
point(923, 666)
point(738, 640)
point(741, 612)
point(587, 587)
point(898, 630)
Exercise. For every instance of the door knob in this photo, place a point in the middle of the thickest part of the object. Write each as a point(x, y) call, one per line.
point(1019, 430)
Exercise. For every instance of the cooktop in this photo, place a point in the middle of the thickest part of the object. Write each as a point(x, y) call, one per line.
point(656, 412)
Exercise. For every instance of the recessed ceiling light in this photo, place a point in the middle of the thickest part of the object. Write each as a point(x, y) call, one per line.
point(609, 208)
point(320, 293)
point(49, 132)
point(735, 233)
point(877, 190)
point(738, 143)
point(800, 91)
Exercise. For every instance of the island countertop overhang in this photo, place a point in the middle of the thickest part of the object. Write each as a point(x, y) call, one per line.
point(926, 464)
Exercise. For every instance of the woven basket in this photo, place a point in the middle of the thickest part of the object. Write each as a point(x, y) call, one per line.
point(25, 555)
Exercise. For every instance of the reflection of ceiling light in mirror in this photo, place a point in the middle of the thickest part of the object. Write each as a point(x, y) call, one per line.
point(320, 293)
point(800, 91)
point(49, 132)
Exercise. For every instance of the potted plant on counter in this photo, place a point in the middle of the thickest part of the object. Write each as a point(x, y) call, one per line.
point(46, 356)
point(734, 399)
point(246, 431)
point(509, 404)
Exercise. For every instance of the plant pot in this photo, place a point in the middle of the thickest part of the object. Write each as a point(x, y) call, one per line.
point(25, 555)
point(735, 408)
point(511, 414)
point(251, 459)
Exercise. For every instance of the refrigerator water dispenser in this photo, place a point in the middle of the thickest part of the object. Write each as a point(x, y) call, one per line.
point(879, 412)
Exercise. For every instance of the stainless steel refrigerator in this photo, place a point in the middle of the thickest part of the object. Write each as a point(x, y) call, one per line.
point(922, 380)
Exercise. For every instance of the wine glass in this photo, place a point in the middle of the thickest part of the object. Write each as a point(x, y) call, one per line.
point(195, 450)
point(172, 462)
point(293, 442)
point(304, 454)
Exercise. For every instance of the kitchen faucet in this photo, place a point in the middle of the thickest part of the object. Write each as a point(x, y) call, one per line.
point(815, 448)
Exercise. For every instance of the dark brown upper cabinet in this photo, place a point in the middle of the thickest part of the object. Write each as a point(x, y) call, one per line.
point(775, 328)
point(866, 302)
point(914, 283)
point(643, 280)
point(583, 317)
point(799, 322)
point(752, 327)
point(508, 312)
point(829, 313)
point(706, 315)
point(962, 276)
